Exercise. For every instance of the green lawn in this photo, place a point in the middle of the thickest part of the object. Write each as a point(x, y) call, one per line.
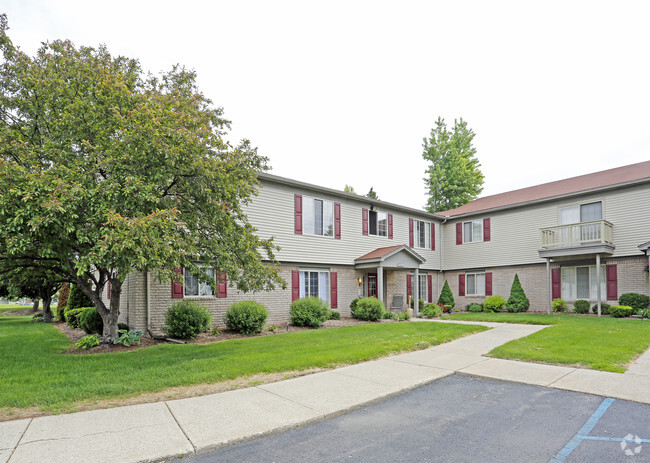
point(14, 307)
point(36, 373)
point(605, 343)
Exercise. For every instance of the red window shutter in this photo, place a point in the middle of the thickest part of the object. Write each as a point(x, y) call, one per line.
point(409, 288)
point(334, 291)
point(411, 232)
point(459, 233)
point(486, 229)
point(177, 286)
point(556, 283)
point(108, 289)
point(433, 236)
point(222, 285)
point(612, 282)
point(295, 285)
point(297, 226)
point(488, 283)
point(390, 226)
point(364, 219)
point(461, 284)
point(430, 287)
point(337, 221)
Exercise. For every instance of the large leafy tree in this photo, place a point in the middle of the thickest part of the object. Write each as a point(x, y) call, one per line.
point(454, 173)
point(105, 170)
point(22, 279)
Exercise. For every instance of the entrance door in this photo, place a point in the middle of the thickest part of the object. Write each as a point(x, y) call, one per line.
point(371, 290)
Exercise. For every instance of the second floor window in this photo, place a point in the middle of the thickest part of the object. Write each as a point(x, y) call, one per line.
point(318, 217)
point(422, 234)
point(378, 223)
point(581, 213)
point(473, 231)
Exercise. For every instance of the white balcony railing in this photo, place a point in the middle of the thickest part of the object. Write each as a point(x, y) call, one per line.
point(578, 234)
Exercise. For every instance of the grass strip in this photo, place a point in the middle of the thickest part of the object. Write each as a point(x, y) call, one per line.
point(604, 343)
point(36, 373)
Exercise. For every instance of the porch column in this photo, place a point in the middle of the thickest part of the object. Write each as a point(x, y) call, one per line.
point(549, 284)
point(598, 295)
point(416, 299)
point(380, 283)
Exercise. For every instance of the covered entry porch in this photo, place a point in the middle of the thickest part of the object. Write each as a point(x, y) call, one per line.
point(385, 271)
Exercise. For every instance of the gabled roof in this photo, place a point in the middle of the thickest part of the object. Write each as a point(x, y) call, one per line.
point(634, 173)
point(381, 254)
point(644, 247)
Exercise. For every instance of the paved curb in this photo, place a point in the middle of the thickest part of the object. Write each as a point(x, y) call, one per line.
point(167, 430)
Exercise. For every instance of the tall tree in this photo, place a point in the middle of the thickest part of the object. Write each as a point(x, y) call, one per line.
point(349, 189)
point(454, 174)
point(20, 279)
point(105, 170)
point(372, 194)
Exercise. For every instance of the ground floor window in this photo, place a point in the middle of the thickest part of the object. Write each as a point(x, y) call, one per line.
point(194, 287)
point(580, 283)
point(475, 283)
point(315, 283)
point(423, 287)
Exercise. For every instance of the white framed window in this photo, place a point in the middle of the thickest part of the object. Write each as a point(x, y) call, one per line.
point(315, 283)
point(580, 282)
point(475, 284)
point(423, 287)
point(378, 223)
point(473, 231)
point(318, 217)
point(581, 213)
point(422, 234)
point(194, 287)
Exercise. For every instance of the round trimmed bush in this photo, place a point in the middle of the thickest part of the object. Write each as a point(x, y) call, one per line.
point(369, 308)
point(353, 304)
point(635, 300)
point(604, 308)
point(581, 306)
point(494, 304)
point(334, 315)
point(72, 316)
point(246, 317)
point(309, 311)
point(621, 311)
point(431, 311)
point(475, 308)
point(559, 305)
point(389, 316)
point(91, 322)
point(185, 319)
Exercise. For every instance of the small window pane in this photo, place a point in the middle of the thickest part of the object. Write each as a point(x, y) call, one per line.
point(582, 278)
point(471, 284)
point(382, 224)
point(569, 283)
point(303, 285)
point(477, 230)
point(570, 215)
point(313, 284)
point(427, 235)
point(328, 218)
point(424, 291)
point(592, 211)
point(323, 289)
point(191, 285)
point(318, 217)
point(467, 231)
point(204, 288)
point(372, 222)
point(480, 284)
point(308, 216)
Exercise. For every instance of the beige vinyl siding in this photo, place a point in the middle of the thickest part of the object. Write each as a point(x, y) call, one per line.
point(272, 213)
point(515, 233)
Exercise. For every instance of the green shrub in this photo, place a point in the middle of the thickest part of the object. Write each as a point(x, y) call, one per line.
point(635, 300)
point(334, 315)
point(475, 308)
point(517, 302)
point(353, 304)
point(91, 322)
point(38, 318)
point(246, 317)
point(389, 316)
point(431, 311)
point(604, 308)
point(270, 329)
point(403, 316)
point(645, 313)
point(72, 316)
point(185, 319)
point(128, 337)
point(309, 311)
point(621, 311)
point(420, 302)
point(581, 306)
point(369, 308)
point(446, 296)
point(77, 299)
point(559, 305)
point(87, 342)
point(494, 304)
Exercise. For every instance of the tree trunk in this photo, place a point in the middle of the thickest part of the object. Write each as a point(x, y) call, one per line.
point(109, 314)
point(35, 306)
point(47, 310)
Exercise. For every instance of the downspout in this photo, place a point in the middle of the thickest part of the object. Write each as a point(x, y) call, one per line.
point(442, 247)
point(148, 304)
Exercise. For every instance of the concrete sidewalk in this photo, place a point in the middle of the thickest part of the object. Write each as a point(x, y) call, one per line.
point(152, 432)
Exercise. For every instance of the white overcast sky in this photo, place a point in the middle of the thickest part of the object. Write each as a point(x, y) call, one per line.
point(342, 92)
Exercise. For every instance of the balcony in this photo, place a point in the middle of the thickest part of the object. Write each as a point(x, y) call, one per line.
point(578, 238)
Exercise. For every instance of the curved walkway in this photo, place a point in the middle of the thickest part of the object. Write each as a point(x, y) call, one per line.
point(152, 432)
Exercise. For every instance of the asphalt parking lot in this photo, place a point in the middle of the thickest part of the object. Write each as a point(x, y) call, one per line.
point(464, 419)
